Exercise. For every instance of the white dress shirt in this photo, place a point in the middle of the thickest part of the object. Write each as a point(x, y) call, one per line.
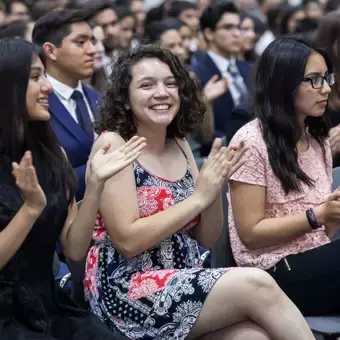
point(64, 93)
point(223, 64)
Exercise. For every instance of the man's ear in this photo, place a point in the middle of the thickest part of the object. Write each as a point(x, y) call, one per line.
point(208, 34)
point(50, 51)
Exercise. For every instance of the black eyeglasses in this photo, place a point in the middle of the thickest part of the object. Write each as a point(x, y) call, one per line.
point(319, 81)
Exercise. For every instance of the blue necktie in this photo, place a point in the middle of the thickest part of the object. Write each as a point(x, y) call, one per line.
point(83, 116)
point(238, 83)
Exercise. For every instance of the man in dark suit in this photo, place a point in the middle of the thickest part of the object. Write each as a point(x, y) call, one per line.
point(220, 25)
point(66, 45)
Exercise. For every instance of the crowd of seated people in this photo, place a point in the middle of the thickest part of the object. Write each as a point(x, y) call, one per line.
point(146, 118)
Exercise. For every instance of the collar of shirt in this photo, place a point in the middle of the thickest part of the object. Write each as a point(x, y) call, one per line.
point(62, 89)
point(221, 63)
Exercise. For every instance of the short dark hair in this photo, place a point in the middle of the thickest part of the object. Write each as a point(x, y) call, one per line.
point(116, 115)
point(213, 14)
point(14, 29)
point(123, 12)
point(42, 7)
point(156, 29)
point(96, 7)
point(55, 26)
point(177, 7)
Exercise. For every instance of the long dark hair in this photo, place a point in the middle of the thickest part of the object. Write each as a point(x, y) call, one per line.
point(17, 132)
point(279, 72)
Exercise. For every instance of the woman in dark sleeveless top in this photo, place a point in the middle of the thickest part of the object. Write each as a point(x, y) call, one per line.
point(37, 206)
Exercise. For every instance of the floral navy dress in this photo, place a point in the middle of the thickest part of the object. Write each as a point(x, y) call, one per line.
point(159, 293)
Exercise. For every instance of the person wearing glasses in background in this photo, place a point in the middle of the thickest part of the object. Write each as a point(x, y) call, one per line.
point(220, 25)
point(285, 184)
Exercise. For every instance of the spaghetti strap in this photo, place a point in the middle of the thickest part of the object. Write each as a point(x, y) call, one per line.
point(182, 150)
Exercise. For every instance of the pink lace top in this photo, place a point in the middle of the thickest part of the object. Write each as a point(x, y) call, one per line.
point(257, 170)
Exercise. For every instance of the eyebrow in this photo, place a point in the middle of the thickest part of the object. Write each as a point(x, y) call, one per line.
point(36, 68)
point(83, 36)
point(313, 74)
point(151, 79)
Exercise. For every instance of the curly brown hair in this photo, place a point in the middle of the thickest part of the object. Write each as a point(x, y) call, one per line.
point(116, 114)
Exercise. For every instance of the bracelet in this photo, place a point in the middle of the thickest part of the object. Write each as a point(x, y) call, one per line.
point(312, 220)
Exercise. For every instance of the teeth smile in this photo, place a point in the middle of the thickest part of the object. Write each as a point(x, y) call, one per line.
point(43, 101)
point(161, 107)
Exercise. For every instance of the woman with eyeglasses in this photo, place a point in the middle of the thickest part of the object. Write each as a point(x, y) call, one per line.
point(283, 212)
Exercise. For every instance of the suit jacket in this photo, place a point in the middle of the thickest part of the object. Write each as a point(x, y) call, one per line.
point(223, 106)
point(72, 138)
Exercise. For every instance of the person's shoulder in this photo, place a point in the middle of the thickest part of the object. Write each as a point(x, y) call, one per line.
point(108, 137)
point(250, 130)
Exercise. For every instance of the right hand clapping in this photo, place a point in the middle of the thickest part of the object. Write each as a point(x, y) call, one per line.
point(221, 163)
point(27, 181)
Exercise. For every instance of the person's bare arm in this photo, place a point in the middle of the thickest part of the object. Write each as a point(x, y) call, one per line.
point(78, 228)
point(208, 230)
point(130, 234)
point(256, 231)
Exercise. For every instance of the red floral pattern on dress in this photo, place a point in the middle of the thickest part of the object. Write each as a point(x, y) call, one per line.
point(91, 269)
point(147, 283)
point(159, 293)
point(153, 199)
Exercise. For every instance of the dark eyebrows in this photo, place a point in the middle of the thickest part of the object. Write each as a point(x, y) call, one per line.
point(315, 74)
point(83, 36)
point(152, 79)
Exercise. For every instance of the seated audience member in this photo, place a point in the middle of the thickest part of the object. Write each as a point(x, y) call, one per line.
point(327, 37)
point(158, 13)
point(291, 16)
point(3, 14)
point(165, 33)
point(99, 79)
point(283, 213)
point(221, 28)
point(247, 38)
point(127, 23)
point(143, 273)
point(187, 12)
point(66, 42)
point(38, 207)
point(136, 7)
point(17, 10)
point(105, 15)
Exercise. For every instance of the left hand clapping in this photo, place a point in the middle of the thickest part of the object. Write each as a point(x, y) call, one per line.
point(106, 164)
point(233, 154)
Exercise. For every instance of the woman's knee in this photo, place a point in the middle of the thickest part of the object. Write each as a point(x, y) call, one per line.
point(253, 282)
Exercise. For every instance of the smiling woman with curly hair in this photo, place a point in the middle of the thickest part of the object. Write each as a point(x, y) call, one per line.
point(144, 274)
point(116, 114)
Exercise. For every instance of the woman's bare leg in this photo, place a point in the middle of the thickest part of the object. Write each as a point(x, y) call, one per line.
point(246, 330)
point(244, 294)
